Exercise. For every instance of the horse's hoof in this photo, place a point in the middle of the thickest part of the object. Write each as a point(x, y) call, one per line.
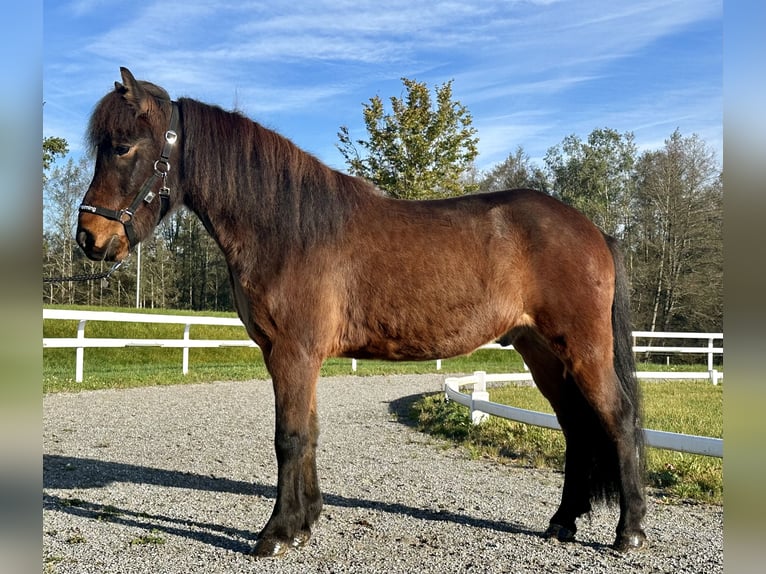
point(630, 542)
point(559, 533)
point(301, 538)
point(272, 547)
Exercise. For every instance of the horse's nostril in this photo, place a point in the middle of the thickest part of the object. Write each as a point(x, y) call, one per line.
point(83, 238)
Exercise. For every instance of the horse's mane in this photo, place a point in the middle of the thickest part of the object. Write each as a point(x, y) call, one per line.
point(251, 176)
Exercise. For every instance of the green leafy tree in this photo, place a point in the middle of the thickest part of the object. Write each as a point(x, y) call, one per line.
point(596, 176)
point(419, 150)
point(53, 147)
point(517, 171)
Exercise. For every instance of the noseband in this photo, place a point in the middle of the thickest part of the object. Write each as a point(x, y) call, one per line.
point(145, 193)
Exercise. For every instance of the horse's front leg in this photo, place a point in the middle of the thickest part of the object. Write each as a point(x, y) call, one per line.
point(299, 500)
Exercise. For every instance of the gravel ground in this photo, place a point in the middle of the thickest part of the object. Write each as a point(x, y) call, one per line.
point(180, 479)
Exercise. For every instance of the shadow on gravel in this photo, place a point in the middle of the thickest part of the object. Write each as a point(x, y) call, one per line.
point(213, 534)
point(402, 409)
point(64, 473)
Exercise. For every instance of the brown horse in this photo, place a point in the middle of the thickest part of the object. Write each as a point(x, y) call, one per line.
point(323, 264)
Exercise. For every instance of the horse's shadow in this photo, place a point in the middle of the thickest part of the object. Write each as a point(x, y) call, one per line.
point(74, 473)
point(402, 409)
point(70, 473)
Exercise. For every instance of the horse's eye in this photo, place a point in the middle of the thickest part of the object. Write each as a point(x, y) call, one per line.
point(121, 149)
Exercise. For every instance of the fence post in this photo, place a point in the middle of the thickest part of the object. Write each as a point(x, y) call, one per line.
point(187, 328)
point(79, 353)
point(710, 355)
point(449, 383)
point(479, 393)
point(353, 365)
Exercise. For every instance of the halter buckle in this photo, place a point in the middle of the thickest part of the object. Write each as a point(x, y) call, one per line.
point(123, 213)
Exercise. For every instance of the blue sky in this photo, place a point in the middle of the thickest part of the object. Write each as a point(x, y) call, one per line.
point(530, 72)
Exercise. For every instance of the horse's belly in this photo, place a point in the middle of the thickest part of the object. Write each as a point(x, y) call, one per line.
point(419, 336)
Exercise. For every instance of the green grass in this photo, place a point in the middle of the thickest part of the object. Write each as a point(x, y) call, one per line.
point(152, 538)
point(689, 407)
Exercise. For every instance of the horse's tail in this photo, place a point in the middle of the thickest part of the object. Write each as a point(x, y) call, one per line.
point(604, 464)
point(624, 364)
point(622, 332)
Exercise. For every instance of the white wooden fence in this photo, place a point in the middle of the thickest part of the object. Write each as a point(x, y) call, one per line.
point(710, 349)
point(81, 342)
point(481, 407)
point(477, 401)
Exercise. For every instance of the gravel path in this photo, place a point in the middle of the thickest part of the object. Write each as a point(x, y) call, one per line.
point(180, 479)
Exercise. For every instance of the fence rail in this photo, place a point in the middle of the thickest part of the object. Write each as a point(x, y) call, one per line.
point(81, 342)
point(710, 350)
point(481, 407)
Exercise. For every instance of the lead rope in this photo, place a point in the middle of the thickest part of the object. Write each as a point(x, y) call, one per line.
point(85, 276)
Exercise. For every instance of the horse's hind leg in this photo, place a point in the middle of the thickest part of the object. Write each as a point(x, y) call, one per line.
point(618, 460)
point(599, 422)
point(576, 420)
point(299, 500)
point(617, 446)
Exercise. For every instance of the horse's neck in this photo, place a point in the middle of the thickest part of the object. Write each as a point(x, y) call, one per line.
point(261, 197)
point(256, 243)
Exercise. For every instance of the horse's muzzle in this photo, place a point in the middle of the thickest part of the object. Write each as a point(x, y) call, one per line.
point(108, 251)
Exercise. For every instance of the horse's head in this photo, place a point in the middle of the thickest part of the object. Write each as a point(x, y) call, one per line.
point(132, 131)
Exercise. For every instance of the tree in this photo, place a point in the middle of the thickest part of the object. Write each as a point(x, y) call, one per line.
point(159, 271)
point(53, 147)
point(678, 254)
point(417, 151)
point(190, 267)
point(517, 171)
point(63, 190)
point(596, 176)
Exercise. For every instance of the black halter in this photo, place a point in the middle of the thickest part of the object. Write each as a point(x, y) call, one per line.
point(145, 194)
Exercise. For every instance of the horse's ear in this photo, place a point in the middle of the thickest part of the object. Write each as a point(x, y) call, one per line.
point(133, 92)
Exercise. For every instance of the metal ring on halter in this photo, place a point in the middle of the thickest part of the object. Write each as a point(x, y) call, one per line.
point(125, 212)
point(164, 162)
